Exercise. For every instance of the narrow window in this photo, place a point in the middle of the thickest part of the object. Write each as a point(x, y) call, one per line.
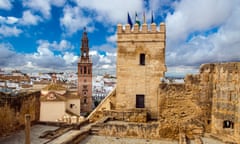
point(142, 59)
point(208, 121)
point(85, 69)
point(84, 86)
point(228, 124)
point(72, 105)
point(89, 70)
point(85, 101)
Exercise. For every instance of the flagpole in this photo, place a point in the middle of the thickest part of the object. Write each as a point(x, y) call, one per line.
point(152, 20)
point(144, 17)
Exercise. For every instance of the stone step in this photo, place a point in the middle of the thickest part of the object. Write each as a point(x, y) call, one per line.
point(95, 129)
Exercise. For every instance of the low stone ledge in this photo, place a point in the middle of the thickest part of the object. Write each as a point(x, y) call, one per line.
point(130, 115)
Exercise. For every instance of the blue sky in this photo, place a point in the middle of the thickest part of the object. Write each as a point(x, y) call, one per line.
point(44, 35)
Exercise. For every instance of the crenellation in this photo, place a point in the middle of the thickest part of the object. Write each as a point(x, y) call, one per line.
point(162, 27)
point(127, 28)
point(143, 29)
point(153, 27)
point(119, 28)
point(136, 28)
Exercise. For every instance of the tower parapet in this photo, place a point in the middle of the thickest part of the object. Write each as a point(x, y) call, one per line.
point(153, 28)
point(142, 34)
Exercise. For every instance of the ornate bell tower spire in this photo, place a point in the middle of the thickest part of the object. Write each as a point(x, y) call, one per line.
point(85, 76)
point(84, 47)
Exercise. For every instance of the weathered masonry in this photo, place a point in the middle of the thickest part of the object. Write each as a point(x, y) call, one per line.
point(140, 65)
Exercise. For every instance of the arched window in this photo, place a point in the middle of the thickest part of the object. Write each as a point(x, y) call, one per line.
point(85, 101)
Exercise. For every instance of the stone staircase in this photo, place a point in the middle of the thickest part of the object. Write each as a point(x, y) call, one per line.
point(95, 130)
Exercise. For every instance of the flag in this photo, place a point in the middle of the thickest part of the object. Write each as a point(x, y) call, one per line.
point(137, 20)
point(144, 17)
point(152, 21)
point(130, 21)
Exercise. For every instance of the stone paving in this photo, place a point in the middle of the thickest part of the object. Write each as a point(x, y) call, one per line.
point(92, 139)
point(211, 141)
point(37, 130)
point(19, 137)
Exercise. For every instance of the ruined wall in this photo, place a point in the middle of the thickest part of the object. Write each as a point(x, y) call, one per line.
point(225, 102)
point(134, 115)
point(14, 108)
point(135, 130)
point(136, 78)
point(178, 112)
point(208, 100)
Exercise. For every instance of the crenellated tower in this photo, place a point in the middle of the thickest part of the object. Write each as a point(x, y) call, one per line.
point(85, 76)
point(140, 65)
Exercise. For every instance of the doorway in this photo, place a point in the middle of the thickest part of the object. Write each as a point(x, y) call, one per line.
point(140, 101)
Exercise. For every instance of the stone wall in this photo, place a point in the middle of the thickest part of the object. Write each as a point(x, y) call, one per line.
point(178, 113)
point(135, 130)
point(225, 98)
point(132, 115)
point(208, 100)
point(140, 65)
point(13, 109)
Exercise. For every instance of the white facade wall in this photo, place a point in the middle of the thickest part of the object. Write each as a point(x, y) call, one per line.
point(52, 110)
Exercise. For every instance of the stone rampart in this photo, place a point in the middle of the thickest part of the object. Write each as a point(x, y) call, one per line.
point(14, 108)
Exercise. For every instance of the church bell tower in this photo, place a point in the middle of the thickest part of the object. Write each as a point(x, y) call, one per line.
point(85, 76)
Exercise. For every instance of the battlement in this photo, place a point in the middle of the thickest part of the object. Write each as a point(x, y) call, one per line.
point(229, 66)
point(141, 34)
point(136, 29)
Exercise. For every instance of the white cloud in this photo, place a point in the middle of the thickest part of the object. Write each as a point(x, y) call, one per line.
point(103, 58)
point(106, 9)
point(42, 60)
point(201, 16)
point(58, 3)
point(62, 46)
point(44, 48)
point(104, 12)
point(11, 20)
point(8, 20)
point(181, 70)
point(190, 16)
point(112, 38)
point(7, 31)
point(70, 58)
point(45, 57)
point(29, 19)
point(43, 6)
point(8, 57)
point(93, 52)
point(5, 4)
point(73, 20)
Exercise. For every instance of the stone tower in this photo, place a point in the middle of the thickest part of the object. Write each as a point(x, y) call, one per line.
point(85, 76)
point(140, 65)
